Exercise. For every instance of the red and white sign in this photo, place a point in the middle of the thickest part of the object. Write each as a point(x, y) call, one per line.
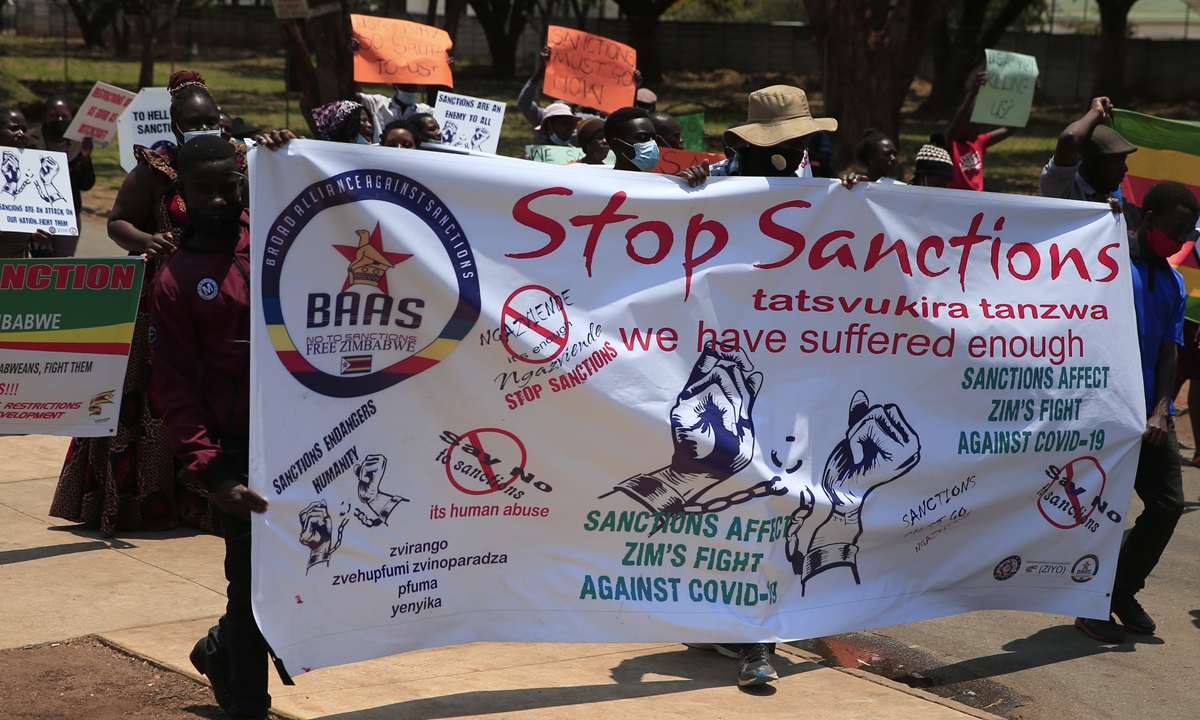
point(97, 116)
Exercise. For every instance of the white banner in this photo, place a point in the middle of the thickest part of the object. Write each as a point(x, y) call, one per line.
point(35, 192)
point(97, 117)
point(468, 122)
point(147, 122)
point(504, 401)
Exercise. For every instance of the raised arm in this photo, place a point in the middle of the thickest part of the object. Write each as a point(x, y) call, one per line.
point(1066, 154)
point(962, 116)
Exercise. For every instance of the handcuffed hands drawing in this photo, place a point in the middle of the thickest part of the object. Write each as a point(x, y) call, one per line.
point(44, 182)
point(316, 533)
point(880, 445)
point(10, 171)
point(380, 504)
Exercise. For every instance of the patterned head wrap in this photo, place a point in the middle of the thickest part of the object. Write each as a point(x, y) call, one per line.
point(184, 79)
point(934, 160)
point(329, 117)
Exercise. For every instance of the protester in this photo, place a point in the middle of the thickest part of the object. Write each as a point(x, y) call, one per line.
point(1187, 368)
point(397, 135)
point(527, 103)
point(591, 138)
point(1089, 161)
point(1170, 213)
point(558, 126)
point(226, 123)
point(773, 142)
point(667, 132)
point(14, 133)
point(202, 358)
point(822, 160)
point(934, 166)
point(242, 130)
point(424, 128)
point(878, 153)
point(967, 144)
point(50, 136)
point(630, 135)
point(344, 121)
point(646, 99)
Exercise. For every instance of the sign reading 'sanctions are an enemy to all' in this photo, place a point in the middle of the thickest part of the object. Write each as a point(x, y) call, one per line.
point(97, 116)
point(35, 192)
point(65, 330)
point(469, 123)
point(1008, 95)
point(498, 400)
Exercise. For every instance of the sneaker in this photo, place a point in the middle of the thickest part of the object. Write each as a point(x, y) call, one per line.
point(217, 673)
point(755, 666)
point(726, 650)
point(1129, 611)
point(1103, 630)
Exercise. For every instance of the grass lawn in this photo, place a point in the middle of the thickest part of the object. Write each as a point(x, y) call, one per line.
point(251, 86)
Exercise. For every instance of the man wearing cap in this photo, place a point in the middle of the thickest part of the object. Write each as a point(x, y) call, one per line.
point(934, 165)
point(774, 140)
point(1089, 162)
point(646, 100)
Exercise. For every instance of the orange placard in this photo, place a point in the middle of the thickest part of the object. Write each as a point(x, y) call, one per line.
point(671, 161)
point(589, 70)
point(399, 51)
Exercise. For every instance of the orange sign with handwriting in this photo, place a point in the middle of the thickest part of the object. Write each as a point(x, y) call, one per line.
point(589, 70)
point(399, 51)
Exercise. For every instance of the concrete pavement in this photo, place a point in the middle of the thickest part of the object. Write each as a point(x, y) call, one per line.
point(155, 594)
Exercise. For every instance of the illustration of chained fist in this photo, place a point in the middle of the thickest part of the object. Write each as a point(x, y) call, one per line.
point(880, 446)
point(10, 172)
point(712, 428)
point(380, 504)
point(316, 533)
point(45, 180)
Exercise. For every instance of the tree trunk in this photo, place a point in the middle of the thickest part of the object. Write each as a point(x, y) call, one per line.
point(1109, 77)
point(148, 34)
point(454, 13)
point(121, 36)
point(92, 28)
point(431, 13)
point(503, 52)
point(299, 59)
point(641, 21)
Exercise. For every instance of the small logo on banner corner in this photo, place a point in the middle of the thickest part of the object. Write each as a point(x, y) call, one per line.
point(1085, 568)
point(356, 364)
point(408, 287)
point(1007, 568)
point(99, 400)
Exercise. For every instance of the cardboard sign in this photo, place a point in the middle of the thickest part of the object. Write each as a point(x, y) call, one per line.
point(65, 329)
point(97, 117)
point(589, 70)
point(399, 51)
point(691, 131)
point(1008, 94)
point(671, 161)
point(470, 123)
point(147, 121)
point(35, 192)
point(554, 154)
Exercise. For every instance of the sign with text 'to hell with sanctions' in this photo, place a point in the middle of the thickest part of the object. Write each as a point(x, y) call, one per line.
point(65, 329)
point(504, 401)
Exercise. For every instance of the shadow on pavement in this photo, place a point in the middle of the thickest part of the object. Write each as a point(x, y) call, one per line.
point(679, 671)
point(1195, 617)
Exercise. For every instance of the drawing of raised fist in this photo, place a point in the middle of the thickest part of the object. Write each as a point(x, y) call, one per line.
point(880, 445)
point(712, 428)
point(370, 474)
point(10, 171)
point(316, 533)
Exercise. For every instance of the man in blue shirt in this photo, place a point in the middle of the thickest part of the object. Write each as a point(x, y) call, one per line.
point(1169, 215)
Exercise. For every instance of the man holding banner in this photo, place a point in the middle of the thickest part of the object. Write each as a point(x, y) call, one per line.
point(774, 140)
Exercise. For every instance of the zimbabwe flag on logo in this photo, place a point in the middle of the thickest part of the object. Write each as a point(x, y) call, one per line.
point(356, 364)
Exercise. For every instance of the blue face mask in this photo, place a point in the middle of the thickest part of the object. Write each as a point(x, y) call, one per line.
point(361, 140)
point(188, 135)
point(645, 155)
point(405, 98)
point(555, 139)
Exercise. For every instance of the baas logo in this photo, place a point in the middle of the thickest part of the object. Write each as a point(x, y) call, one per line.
point(367, 280)
point(1085, 568)
point(1007, 568)
point(95, 405)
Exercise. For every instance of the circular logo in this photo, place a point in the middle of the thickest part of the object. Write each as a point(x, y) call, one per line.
point(483, 465)
point(367, 280)
point(1085, 568)
point(1077, 488)
point(153, 334)
point(534, 324)
point(208, 289)
point(1007, 568)
point(51, 230)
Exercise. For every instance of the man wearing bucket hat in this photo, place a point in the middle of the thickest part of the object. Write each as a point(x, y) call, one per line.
point(1089, 161)
point(774, 140)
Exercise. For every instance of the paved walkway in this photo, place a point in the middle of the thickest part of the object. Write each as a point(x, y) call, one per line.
point(154, 594)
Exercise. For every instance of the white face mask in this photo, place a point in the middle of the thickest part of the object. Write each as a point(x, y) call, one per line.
point(187, 136)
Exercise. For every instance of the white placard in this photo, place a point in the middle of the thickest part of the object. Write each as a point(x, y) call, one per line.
point(36, 192)
point(467, 122)
point(147, 122)
point(495, 400)
point(97, 117)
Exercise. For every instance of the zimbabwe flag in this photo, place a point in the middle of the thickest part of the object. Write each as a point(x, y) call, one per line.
point(1167, 150)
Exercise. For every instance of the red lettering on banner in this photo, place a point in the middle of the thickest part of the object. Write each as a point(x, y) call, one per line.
point(556, 232)
point(607, 216)
point(787, 236)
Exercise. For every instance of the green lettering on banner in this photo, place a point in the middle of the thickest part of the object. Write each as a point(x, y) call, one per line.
point(553, 154)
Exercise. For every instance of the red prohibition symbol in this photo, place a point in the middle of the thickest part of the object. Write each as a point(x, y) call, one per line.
point(532, 296)
point(495, 475)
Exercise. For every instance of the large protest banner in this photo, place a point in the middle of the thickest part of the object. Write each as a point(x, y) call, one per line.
point(589, 70)
point(65, 329)
point(35, 192)
point(399, 51)
point(496, 400)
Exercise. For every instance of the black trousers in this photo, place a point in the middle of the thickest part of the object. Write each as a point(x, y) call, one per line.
point(1159, 483)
